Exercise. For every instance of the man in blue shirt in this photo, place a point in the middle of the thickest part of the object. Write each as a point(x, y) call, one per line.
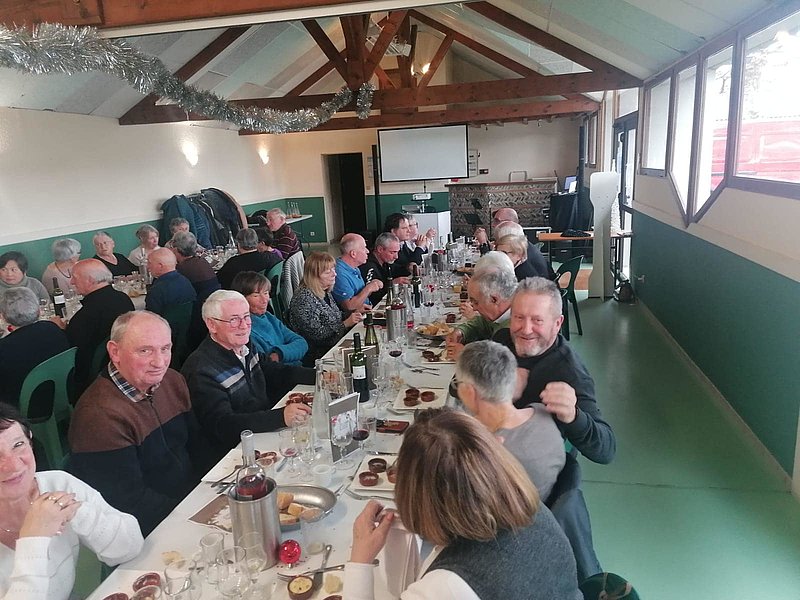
point(350, 291)
point(170, 287)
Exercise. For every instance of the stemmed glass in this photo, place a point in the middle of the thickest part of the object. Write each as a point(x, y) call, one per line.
point(342, 436)
point(255, 556)
point(366, 425)
point(428, 300)
point(234, 574)
point(395, 350)
point(288, 449)
point(304, 439)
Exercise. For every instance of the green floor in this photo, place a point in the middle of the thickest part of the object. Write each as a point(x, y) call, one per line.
point(689, 508)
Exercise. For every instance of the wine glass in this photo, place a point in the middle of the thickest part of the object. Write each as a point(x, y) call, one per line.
point(255, 556)
point(234, 575)
point(366, 425)
point(342, 436)
point(304, 438)
point(395, 350)
point(288, 449)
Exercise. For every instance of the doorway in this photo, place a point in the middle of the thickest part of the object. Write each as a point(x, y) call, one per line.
point(345, 178)
point(624, 163)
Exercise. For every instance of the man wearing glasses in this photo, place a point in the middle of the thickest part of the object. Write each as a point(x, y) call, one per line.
point(233, 387)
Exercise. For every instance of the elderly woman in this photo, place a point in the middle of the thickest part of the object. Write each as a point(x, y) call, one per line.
point(148, 241)
point(458, 488)
point(104, 252)
point(30, 343)
point(516, 247)
point(46, 517)
point(66, 252)
point(268, 335)
point(486, 373)
point(313, 313)
point(13, 274)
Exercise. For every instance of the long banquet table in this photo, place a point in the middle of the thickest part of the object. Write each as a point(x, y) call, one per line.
point(178, 534)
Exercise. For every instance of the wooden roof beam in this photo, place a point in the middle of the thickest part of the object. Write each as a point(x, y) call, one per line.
point(486, 114)
point(354, 36)
point(389, 30)
point(195, 64)
point(436, 61)
point(314, 77)
point(543, 39)
point(492, 55)
point(327, 46)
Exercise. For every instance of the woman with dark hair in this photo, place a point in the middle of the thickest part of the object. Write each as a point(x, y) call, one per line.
point(460, 489)
point(13, 273)
point(313, 313)
point(44, 519)
point(268, 335)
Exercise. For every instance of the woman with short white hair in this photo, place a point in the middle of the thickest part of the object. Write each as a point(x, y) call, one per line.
point(66, 252)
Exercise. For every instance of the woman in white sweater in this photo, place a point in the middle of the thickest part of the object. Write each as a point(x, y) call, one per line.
point(45, 517)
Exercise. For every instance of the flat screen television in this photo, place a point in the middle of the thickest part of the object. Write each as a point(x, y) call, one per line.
point(421, 153)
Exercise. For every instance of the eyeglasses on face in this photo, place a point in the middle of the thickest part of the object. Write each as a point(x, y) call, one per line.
point(234, 321)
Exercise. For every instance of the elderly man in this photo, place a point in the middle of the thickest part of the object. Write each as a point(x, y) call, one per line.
point(170, 287)
point(30, 343)
point(91, 325)
point(490, 290)
point(414, 235)
point(500, 215)
point(536, 261)
point(551, 372)
point(286, 241)
point(349, 290)
point(117, 263)
point(397, 223)
point(195, 268)
point(486, 376)
point(248, 259)
point(133, 436)
point(379, 265)
point(232, 386)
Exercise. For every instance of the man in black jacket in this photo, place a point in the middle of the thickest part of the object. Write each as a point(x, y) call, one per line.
point(91, 325)
point(380, 265)
point(397, 224)
point(551, 372)
point(233, 387)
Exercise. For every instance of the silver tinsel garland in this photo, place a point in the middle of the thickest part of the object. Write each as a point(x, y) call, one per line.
point(55, 48)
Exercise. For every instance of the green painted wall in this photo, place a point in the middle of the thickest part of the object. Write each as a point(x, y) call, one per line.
point(391, 203)
point(737, 320)
point(39, 254)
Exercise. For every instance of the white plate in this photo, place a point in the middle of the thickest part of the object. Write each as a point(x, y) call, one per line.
point(438, 402)
point(298, 388)
point(384, 485)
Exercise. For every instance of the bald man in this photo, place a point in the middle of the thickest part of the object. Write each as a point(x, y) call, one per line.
point(500, 215)
point(91, 325)
point(170, 287)
point(350, 291)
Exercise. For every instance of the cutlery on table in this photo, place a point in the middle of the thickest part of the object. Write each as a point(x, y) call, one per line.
point(318, 573)
point(287, 576)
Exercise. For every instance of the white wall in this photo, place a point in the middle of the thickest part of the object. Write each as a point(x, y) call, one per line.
point(63, 173)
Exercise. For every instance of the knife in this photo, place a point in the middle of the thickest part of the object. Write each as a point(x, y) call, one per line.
point(318, 574)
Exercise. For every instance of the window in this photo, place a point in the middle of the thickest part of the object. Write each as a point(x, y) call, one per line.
point(627, 101)
point(714, 132)
point(682, 132)
point(769, 123)
point(655, 150)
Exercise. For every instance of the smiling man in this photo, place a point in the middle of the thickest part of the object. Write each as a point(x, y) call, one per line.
point(133, 435)
point(234, 387)
point(551, 372)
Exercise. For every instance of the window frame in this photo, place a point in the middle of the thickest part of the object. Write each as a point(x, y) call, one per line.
point(736, 39)
point(592, 140)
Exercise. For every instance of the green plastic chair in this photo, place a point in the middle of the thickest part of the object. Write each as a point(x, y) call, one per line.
point(55, 370)
point(179, 317)
point(572, 266)
point(99, 358)
point(275, 302)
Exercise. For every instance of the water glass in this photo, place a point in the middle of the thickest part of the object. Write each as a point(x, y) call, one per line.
point(234, 574)
point(211, 545)
point(314, 532)
point(342, 427)
point(182, 580)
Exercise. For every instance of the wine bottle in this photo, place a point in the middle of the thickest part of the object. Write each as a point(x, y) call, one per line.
point(370, 337)
point(59, 301)
point(416, 285)
point(251, 480)
point(358, 367)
